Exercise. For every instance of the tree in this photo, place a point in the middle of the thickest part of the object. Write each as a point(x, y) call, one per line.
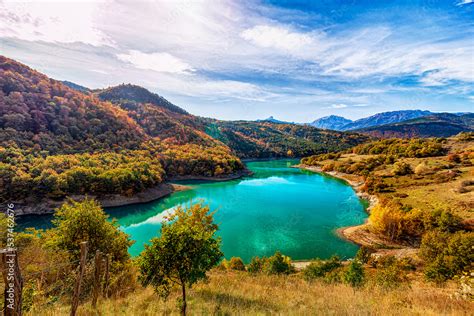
point(185, 251)
point(75, 222)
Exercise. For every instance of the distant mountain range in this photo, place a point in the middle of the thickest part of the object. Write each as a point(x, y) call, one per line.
point(407, 123)
point(342, 124)
point(434, 125)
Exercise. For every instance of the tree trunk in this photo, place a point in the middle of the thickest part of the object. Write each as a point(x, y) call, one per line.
point(183, 306)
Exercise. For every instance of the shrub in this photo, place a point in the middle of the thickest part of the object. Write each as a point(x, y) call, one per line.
point(236, 263)
point(422, 169)
point(446, 255)
point(354, 274)
point(454, 158)
point(402, 168)
point(319, 268)
point(363, 254)
point(278, 264)
point(256, 265)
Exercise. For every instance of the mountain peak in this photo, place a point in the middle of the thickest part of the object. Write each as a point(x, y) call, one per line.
point(139, 94)
point(333, 122)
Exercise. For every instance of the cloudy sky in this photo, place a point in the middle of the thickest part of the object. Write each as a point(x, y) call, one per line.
point(252, 59)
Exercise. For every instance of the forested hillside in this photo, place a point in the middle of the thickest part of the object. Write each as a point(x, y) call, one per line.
point(264, 139)
point(56, 142)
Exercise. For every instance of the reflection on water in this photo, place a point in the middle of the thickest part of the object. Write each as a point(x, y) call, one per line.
point(277, 208)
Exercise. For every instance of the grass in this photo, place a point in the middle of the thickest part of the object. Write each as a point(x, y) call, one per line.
point(427, 191)
point(239, 293)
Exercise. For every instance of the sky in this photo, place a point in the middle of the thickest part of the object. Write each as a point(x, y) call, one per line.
point(294, 60)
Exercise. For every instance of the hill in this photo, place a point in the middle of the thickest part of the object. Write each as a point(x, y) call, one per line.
point(332, 122)
point(435, 125)
point(137, 94)
point(264, 139)
point(57, 142)
point(75, 86)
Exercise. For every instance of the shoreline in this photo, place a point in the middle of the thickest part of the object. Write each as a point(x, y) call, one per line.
point(357, 234)
point(360, 234)
point(48, 206)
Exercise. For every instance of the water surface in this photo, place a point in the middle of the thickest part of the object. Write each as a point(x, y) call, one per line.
point(277, 208)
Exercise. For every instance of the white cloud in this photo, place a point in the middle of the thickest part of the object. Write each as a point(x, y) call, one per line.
point(339, 106)
point(161, 62)
point(276, 37)
point(463, 2)
point(62, 22)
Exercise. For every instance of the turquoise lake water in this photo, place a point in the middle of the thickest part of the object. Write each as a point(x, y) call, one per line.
point(277, 208)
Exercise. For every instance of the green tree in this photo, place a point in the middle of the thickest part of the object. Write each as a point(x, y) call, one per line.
point(75, 222)
point(185, 251)
point(354, 275)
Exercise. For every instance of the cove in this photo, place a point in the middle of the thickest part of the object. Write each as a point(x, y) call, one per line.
point(277, 208)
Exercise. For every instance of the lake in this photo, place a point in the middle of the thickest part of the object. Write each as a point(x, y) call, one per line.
point(277, 208)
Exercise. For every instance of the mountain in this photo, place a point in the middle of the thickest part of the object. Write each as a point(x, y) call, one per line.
point(271, 119)
point(138, 94)
point(340, 123)
point(385, 118)
point(332, 122)
point(435, 125)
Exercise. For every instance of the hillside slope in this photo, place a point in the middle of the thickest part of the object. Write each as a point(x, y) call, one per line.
point(57, 142)
point(264, 139)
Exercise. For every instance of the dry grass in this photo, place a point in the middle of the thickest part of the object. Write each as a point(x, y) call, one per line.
point(238, 293)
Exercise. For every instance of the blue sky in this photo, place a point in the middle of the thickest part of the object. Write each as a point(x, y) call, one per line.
point(294, 60)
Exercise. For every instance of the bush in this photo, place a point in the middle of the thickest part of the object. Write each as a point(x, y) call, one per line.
point(391, 272)
point(422, 169)
point(256, 265)
point(236, 263)
point(278, 264)
point(363, 254)
point(402, 168)
point(454, 158)
point(354, 274)
point(446, 255)
point(319, 268)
